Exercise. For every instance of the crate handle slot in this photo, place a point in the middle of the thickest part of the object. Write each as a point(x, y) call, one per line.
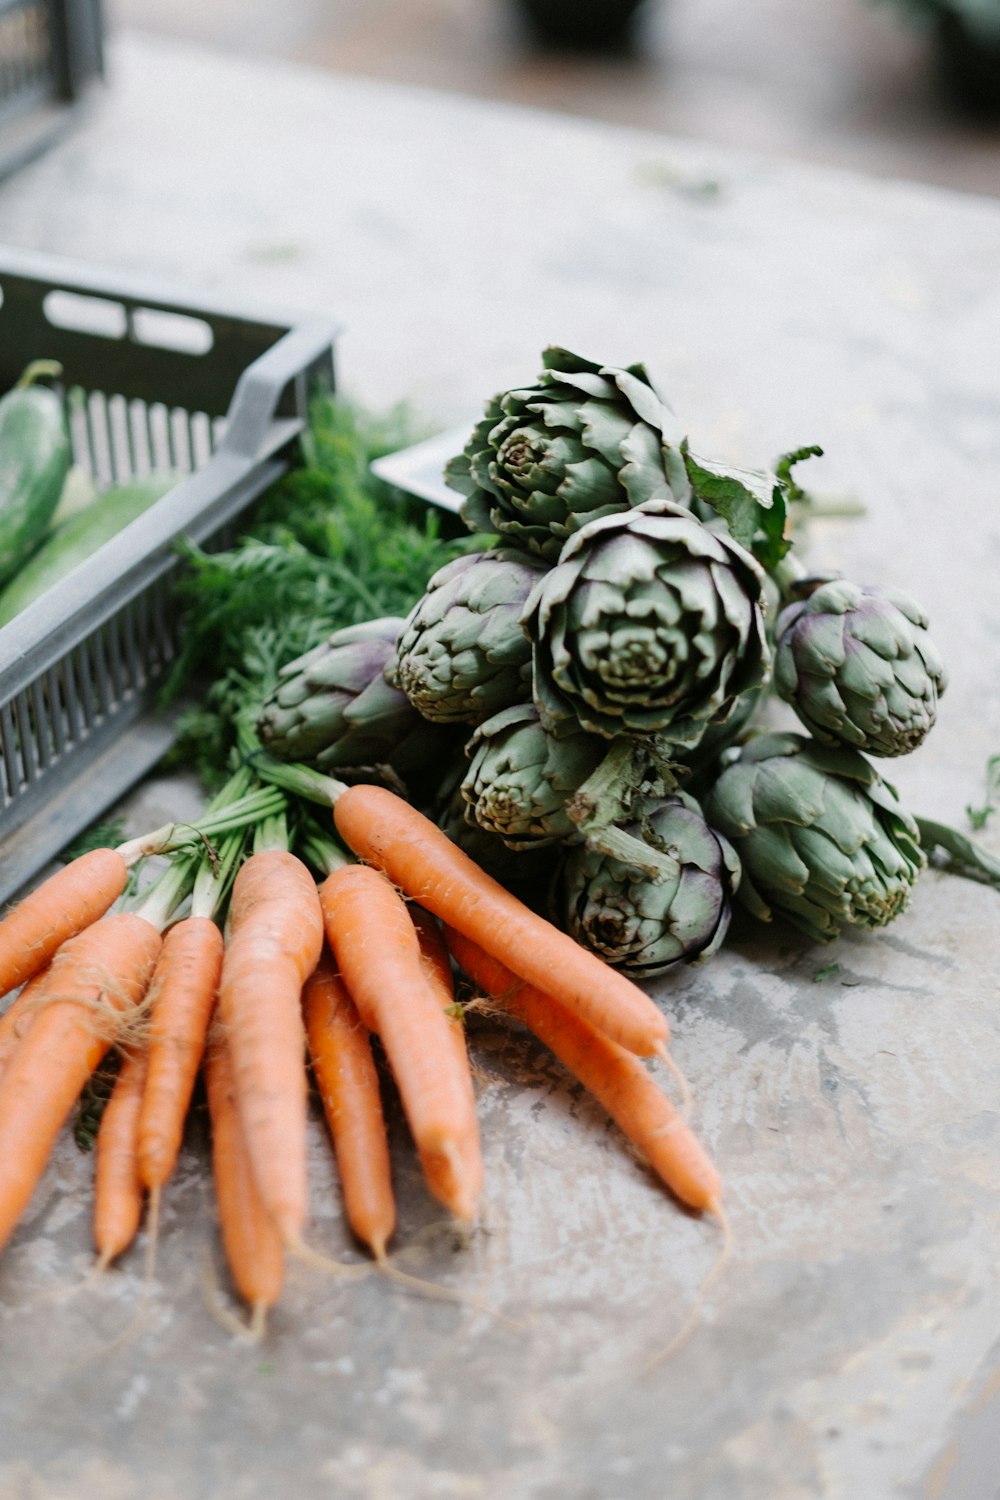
point(99, 316)
point(178, 332)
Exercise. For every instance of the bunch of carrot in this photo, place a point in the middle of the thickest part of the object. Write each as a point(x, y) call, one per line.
point(301, 969)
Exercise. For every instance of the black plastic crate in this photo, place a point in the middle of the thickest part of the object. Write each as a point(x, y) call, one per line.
point(150, 381)
point(50, 52)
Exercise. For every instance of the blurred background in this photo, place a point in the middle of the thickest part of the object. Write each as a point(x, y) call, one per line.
point(907, 88)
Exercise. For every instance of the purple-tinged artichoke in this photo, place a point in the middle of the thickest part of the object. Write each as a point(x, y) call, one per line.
point(858, 667)
point(462, 654)
point(521, 776)
point(586, 440)
point(823, 840)
point(650, 623)
point(333, 707)
point(645, 926)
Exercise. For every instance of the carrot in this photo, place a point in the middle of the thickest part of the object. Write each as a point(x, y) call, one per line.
point(253, 1246)
point(181, 997)
point(65, 904)
point(275, 940)
point(437, 967)
point(17, 1018)
point(348, 1085)
point(615, 1077)
point(386, 832)
point(375, 945)
point(104, 969)
point(117, 1186)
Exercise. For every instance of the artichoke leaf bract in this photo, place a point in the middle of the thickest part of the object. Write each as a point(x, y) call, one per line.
point(649, 624)
point(858, 666)
point(823, 839)
point(587, 440)
point(643, 926)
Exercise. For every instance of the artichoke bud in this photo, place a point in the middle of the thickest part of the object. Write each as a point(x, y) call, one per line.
point(650, 623)
point(645, 926)
point(333, 700)
point(522, 871)
point(462, 654)
point(858, 667)
point(522, 777)
point(823, 840)
point(586, 440)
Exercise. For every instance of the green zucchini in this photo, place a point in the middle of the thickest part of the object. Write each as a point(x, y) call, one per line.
point(34, 461)
point(79, 537)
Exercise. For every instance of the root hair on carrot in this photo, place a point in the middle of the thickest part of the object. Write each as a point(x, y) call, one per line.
point(436, 1291)
point(249, 1332)
point(711, 1276)
point(674, 1068)
point(347, 1271)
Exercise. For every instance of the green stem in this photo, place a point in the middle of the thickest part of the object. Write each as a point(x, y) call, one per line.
point(963, 855)
point(172, 836)
point(214, 877)
point(39, 369)
point(160, 900)
point(635, 853)
point(271, 833)
point(320, 850)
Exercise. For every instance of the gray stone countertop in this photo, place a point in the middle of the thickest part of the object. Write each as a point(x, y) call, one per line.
point(852, 1347)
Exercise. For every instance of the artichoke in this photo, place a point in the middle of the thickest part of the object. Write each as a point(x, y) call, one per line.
point(462, 654)
point(647, 926)
point(585, 440)
point(650, 623)
point(333, 706)
point(522, 776)
point(822, 838)
point(858, 667)
point(526, 872)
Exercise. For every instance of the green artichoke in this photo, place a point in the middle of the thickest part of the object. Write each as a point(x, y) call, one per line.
point(333, 706)
point(462, 654)
point(822, 838)
point(526, 872)
point(647, 926)
point(521, 776)
point(586, 440)
point(858, 667)
point(650, 623)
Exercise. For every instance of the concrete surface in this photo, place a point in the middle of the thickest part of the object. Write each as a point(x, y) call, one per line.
point(850, 83)
point(852, 1348)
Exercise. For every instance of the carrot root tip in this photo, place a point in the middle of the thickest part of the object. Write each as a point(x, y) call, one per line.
point(686, 1101)
point(298, 1248)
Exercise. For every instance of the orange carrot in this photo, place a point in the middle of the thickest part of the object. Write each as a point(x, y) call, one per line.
point(275, 939)
point(65, 904)
point(252, 1243)
point(375, 945)
point(117, 1186)
point(615, 1077)
point(437, 967)
point(106, 968)
point(181, 997)
point(344, 1068)
point(386, 832)
point(17, 1018)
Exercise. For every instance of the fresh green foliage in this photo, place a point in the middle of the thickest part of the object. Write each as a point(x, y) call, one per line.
point(980, 816)
point(93, 1102)
point(825, 972)
point(750, 501)
point(105, 835)
point(329, 546)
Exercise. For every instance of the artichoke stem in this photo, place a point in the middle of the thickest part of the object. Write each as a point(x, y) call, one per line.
point(963, 855)
point(638, 855)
